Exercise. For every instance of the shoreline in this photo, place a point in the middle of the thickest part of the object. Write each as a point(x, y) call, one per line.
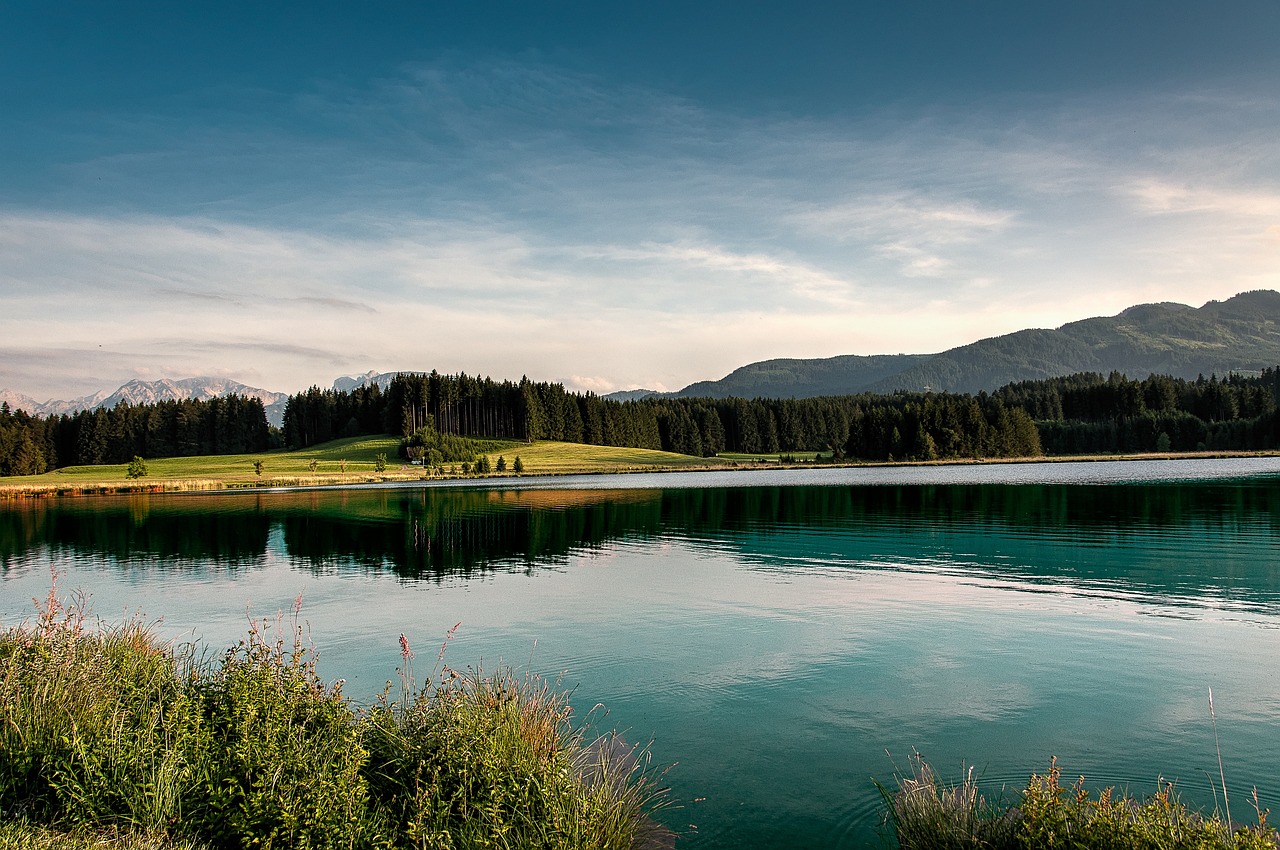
point(210, 484)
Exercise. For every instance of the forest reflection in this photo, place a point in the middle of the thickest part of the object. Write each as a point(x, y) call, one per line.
point(432, 533)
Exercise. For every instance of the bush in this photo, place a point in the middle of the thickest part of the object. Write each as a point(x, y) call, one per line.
point(137, 468)
point(112, 733)
point(475, 757)
point(99, 726)
point(288, 773)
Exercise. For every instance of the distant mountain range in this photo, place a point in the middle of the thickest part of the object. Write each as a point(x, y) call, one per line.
point(1241, 334)
point(148, 392)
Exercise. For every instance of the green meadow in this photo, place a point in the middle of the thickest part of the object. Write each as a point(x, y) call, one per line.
point(346, 461)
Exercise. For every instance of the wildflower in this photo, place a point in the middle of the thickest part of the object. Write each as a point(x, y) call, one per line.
point(405, 652)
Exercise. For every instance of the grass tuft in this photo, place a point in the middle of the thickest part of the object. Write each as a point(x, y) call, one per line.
point(927, 815)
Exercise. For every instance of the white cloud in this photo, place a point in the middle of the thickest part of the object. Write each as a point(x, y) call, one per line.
point(1163, 196)
point(516, 218)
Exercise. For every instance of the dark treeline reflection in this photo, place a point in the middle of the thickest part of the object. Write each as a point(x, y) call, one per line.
point(127, 527)
point(433, 533)
point(429, 533)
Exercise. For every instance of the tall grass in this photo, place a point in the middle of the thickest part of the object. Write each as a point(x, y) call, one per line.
point(17, 835)
point(106, 731)
point(925, 814)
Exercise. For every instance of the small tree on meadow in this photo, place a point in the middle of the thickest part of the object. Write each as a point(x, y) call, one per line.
point(380, 462)
point(502, 463)
point(137, 468)
point(518, 466)
point(257, 468)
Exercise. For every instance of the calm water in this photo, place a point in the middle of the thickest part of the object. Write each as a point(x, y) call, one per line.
point(773, 634)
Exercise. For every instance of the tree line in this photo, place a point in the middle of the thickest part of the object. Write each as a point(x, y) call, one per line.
point(31, 445)
point(1082, 413)
point(866, 426)
point(1088, 413)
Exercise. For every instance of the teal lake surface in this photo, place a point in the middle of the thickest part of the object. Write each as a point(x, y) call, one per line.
point(782, 638)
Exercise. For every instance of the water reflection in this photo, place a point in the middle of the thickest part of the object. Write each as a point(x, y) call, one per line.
point(168, 530)
point(1162, 540)
point(775, 641)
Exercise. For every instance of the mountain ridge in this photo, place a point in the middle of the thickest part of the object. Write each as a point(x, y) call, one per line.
point(1239, 334)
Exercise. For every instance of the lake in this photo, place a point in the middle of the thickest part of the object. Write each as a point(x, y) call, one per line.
point(782, 638)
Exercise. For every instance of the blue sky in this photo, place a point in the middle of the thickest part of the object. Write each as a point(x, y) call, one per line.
point(612, 195)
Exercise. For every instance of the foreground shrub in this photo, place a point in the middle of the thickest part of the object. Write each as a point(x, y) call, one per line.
point(477, 757)
point(109, 732)
point(288, 772)
point(99, 728)
point(926, 815)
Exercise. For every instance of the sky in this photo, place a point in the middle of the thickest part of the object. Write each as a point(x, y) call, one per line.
point(612, 195)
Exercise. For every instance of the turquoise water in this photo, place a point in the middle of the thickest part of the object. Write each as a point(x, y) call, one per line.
point(773, 635)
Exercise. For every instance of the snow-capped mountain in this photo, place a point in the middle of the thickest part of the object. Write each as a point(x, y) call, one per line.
point(348, 383)
point(149, 392)
point(18, 401)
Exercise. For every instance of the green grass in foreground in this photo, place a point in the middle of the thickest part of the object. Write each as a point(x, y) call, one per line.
point(346, 461)
point(109, 732)
point(927, 815)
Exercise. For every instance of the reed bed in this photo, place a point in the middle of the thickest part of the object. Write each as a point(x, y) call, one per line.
point(112, 738)
point(926, 814)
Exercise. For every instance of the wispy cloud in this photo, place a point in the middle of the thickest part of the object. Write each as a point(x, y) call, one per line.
point(1162, 196)
point(514, 217)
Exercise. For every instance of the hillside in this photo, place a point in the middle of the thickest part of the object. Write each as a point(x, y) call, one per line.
point(1241, 334)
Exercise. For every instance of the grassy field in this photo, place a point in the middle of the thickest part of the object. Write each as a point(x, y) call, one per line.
point(549, 458)
point(353, 461)
point(348, 461)
point(775, 457)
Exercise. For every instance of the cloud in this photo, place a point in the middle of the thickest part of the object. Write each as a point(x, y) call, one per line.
point(513, 217)
point(761, 278)
point(1161, 196)
point(593, 384)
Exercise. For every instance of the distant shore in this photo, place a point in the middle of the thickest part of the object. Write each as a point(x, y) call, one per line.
point(345, 463)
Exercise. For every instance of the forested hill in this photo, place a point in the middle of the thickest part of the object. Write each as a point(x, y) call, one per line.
point(1241, 334)
point(1083, 413)
point(790, 378)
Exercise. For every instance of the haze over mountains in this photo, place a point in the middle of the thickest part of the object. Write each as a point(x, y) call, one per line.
point(1240, 334)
